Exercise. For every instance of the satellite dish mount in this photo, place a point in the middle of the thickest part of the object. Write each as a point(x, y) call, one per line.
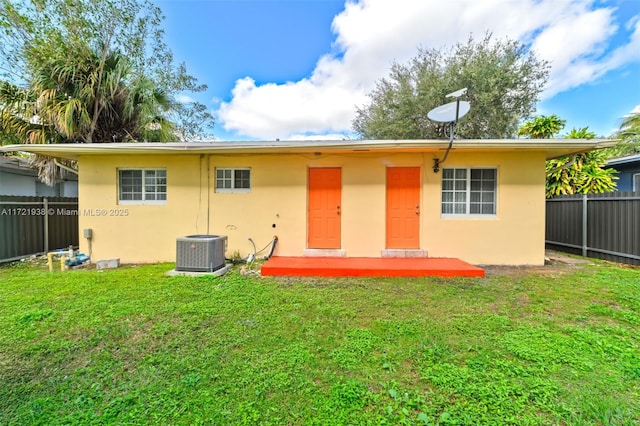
point(449, 113)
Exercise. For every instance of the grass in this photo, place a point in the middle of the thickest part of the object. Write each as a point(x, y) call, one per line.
point(132, 346)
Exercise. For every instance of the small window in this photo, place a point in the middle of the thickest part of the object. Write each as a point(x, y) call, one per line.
point(233, 180)
point(636, 182)
point(142, 186)
point(469, 192)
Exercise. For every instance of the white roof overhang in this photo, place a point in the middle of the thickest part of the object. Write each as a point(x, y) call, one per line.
point(552, 148)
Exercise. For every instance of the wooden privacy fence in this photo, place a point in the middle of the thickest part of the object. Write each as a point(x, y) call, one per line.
point(605, 226)
point(36, 225)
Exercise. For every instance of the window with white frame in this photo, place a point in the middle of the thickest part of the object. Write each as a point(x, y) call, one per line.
point(636, 182)
point(469, 192)
point(233, 180)
point(142, 186)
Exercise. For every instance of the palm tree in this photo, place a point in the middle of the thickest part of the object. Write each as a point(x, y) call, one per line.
point(629, 135)
point(631, 124)
point(18, 119)
point(91, 100)
point(84, 98)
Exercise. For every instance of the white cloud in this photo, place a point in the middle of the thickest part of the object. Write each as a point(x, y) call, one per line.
point(276, 111)
point(576, 45)
point(574, 35)
point(184, 99)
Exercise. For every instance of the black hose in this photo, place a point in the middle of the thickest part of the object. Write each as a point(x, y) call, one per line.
point(273, 246)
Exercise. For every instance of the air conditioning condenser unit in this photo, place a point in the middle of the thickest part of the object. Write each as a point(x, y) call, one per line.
point(200, 253)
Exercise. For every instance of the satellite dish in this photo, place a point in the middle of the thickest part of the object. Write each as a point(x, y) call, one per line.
point(457, 93)
point(451, 112)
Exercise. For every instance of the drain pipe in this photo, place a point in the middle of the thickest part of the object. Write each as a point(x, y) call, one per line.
point(437, 161)
point(565, 166)
point(208, 191)
point(62, 166)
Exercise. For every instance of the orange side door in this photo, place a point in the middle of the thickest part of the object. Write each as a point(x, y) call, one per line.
point(403, 208)
point(325, 193)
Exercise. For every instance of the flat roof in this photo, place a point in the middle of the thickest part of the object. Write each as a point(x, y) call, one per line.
point(623, 160)
point(17, 166)
point(552, 148)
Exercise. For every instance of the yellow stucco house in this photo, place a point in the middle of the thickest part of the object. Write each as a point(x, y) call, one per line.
point(365, 198)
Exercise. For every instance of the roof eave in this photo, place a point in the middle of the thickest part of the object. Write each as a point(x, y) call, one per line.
point(629, 159)
point(552, 148)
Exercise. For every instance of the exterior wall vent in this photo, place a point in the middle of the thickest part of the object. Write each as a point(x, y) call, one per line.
point(200, 253)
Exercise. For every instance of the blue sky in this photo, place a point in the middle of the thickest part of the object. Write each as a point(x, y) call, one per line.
point(296, 69)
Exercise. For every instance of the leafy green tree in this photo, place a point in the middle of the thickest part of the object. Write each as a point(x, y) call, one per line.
point(582, 133)
point(503, 78)
point(542, 127)
point(88, 71)
point(581, 174)
point(83, 104)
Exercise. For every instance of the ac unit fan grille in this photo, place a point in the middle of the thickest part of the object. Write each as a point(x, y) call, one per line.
point(200, 253)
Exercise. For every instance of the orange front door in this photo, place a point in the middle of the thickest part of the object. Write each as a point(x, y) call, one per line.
point(325, 189)
point(403, 207)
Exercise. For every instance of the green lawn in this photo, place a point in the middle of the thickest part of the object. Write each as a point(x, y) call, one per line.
point(132, 346)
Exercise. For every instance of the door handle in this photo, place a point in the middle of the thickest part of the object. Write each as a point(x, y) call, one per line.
point(338, 212)
point(417, 209)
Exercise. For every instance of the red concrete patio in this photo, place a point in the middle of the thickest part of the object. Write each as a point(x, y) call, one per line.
point(369, 267)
